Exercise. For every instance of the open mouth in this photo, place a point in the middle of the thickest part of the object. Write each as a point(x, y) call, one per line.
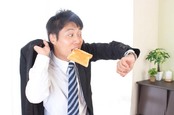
point(74, 49)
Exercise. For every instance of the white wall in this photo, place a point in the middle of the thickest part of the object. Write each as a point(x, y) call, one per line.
point(153, 27)
point(22, 21)
point(166, 31)
point(145, 38)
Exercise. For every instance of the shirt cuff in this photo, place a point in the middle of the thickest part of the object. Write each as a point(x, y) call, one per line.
point(130, 52)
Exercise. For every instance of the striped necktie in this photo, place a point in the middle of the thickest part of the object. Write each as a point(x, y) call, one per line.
point(73, 104)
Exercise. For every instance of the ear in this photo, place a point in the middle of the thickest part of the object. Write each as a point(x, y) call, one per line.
point(53, 38)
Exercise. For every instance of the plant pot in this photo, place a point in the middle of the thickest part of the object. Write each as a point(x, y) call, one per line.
point(159, 76)
point(152, 79)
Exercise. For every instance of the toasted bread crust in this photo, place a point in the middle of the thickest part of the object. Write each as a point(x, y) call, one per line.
point(80, 56)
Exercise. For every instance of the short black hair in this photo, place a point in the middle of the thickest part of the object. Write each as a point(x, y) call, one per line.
point(58, 21)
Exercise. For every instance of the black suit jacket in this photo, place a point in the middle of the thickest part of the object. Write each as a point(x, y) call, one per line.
point(113, 50)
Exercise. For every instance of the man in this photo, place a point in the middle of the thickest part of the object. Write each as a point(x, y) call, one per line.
point(48, 78)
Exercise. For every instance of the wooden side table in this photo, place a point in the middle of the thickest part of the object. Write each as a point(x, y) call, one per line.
point(155, 98)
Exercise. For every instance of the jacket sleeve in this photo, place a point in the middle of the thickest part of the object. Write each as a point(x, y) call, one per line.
point(113, 50)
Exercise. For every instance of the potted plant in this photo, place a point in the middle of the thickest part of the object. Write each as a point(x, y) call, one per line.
point(158, 56)
point(152, 73)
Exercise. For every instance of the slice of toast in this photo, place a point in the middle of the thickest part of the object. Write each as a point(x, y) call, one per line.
point(80, 57)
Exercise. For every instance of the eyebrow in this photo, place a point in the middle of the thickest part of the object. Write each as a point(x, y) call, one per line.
point(69, 29)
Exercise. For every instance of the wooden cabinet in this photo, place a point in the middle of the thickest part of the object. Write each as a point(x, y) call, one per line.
point(155, 98)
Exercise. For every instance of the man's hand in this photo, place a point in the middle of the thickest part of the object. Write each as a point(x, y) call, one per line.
point(45, 50)
point(125, 64)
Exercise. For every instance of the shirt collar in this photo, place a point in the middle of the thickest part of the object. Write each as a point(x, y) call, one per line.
point(63, 65)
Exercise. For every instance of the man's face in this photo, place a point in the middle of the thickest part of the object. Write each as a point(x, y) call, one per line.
point(69, 38)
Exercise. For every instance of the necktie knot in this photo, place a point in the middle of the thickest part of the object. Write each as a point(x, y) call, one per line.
point(71, 65)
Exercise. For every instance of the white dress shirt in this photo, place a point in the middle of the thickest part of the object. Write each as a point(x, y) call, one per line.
point(48, 82)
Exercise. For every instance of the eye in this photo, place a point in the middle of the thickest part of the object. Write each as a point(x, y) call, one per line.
point(70, 35)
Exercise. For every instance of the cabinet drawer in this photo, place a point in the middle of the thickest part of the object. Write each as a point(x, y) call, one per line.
point(152, 100)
